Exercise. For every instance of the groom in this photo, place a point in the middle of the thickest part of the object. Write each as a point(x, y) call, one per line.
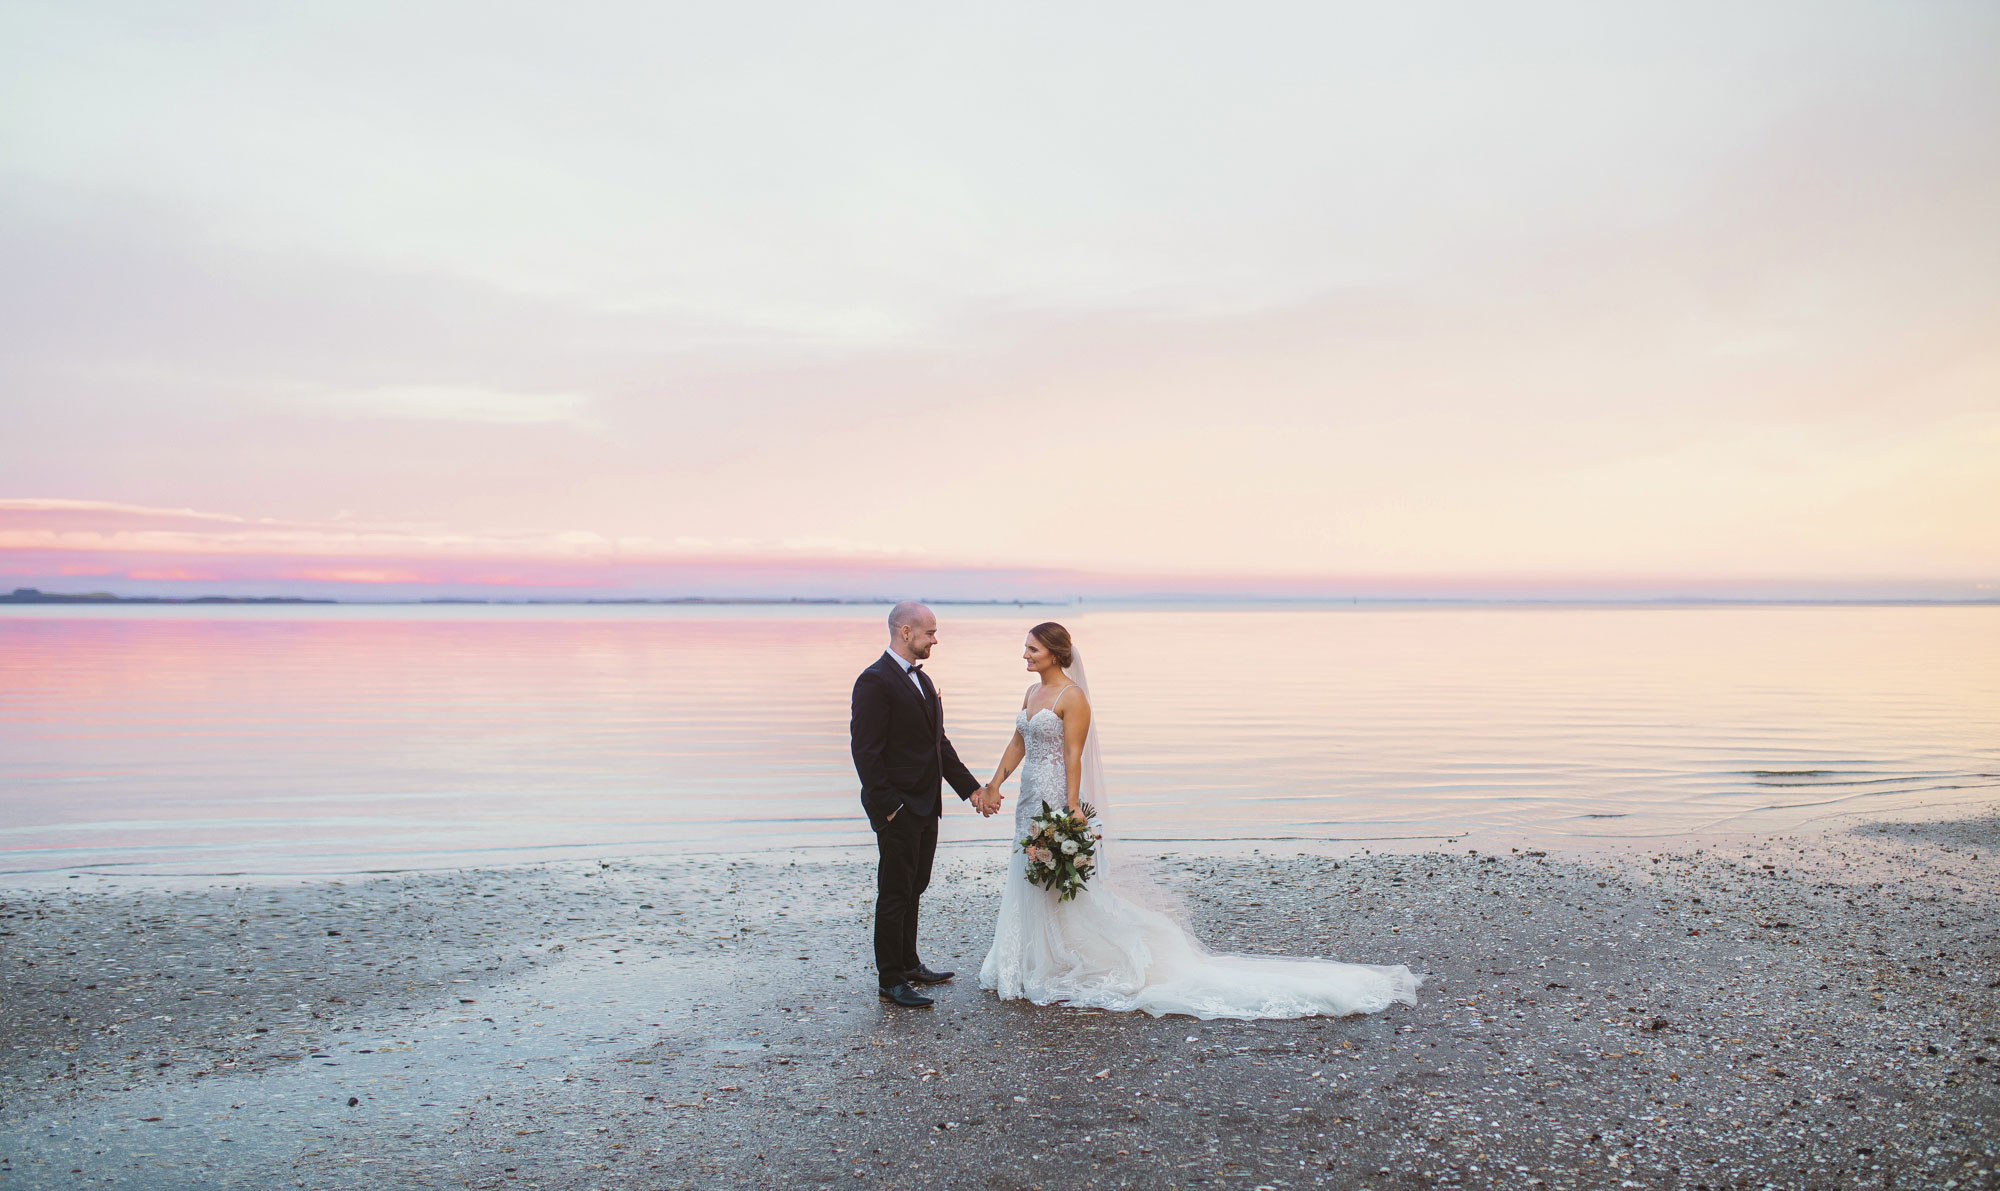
point(900, 751)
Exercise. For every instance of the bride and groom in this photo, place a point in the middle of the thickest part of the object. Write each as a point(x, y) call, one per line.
point(1114, 945)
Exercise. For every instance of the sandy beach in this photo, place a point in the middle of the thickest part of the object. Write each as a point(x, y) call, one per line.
point(1818, 1010)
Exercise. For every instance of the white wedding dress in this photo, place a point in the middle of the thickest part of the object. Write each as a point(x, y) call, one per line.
point(1107, 949)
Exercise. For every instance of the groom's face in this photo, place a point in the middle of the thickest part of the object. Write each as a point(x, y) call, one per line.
point(921, 636)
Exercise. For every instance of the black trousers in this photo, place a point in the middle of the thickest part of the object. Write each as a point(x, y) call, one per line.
point(906, 845)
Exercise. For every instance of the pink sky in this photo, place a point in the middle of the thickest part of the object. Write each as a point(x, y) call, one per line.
point(90, 546)
point(390, 301)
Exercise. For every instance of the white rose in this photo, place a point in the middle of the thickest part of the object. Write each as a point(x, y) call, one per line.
point(1069, 847)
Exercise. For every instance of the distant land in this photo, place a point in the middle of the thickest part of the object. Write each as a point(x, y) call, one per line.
point(30, 595)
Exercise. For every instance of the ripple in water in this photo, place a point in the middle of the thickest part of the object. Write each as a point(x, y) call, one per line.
point(353, 738)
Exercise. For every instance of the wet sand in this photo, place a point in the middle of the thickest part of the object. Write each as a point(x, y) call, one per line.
point(1821, 1010)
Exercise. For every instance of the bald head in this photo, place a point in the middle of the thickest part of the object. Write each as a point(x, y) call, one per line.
point(908, 612)
point(912, 631)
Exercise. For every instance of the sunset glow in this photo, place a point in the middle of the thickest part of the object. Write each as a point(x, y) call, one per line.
point(1556, 301)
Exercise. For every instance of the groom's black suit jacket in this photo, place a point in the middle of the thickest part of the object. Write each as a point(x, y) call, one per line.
point(899, 745)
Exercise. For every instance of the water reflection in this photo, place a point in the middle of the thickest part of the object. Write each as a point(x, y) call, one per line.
point(354, 738)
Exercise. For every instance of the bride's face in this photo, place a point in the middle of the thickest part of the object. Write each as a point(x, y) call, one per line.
point(1036, 654)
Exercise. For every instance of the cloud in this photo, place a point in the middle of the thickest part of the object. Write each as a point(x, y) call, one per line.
point(103, 511)
point(133, 549)
point(356, 575)
point(462, 403)
point(840, 180)
point(1404, 294)
point(94, 529)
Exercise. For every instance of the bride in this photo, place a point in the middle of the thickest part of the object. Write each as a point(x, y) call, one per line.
point(1108, 948)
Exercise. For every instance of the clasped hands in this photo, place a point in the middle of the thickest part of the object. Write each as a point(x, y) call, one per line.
point(986, 800)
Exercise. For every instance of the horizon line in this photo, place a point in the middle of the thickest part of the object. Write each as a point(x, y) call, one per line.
point(35, 596)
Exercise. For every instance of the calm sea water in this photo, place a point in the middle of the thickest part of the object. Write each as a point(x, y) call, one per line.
point(336, 739)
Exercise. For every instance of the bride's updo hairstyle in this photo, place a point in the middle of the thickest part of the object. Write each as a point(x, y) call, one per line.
point(1055, 639)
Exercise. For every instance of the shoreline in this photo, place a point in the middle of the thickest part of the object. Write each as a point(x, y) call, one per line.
point(1827, 1009)
point(139, 875)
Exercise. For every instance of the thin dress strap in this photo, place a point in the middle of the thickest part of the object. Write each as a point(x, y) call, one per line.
point(1052, 702)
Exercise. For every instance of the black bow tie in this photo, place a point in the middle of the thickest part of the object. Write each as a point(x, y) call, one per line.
point(917, 669)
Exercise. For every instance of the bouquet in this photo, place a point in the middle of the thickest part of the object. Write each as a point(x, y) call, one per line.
point(1061, 850)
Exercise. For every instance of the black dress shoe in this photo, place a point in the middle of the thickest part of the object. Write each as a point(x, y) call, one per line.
point(904, 995)
point(924, 975)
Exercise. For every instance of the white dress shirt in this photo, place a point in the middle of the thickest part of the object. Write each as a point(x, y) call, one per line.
point(909, 669)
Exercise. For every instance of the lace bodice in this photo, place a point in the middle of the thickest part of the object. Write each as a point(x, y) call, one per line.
point(1044, 776)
